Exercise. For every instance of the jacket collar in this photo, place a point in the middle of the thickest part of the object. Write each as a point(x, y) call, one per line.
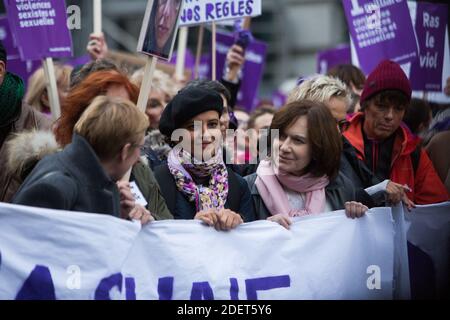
point(405, 141)
point(79, 156)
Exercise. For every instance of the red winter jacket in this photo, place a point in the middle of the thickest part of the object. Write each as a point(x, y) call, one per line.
point(426, 186)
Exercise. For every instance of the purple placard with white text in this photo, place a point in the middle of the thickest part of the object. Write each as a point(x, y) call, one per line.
point(23, 69)
point(252, 71)
point(327, 59)
point(40, 28)
point(381, 30)
point(431, 23)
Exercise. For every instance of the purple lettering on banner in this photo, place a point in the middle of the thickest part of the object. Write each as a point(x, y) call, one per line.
point(165, 288)
point(218, 10)
point(267, 283)
point(431, 23)
point(40, 28)
point(201, 291)
point(105, 286)
point(38, 286)
point(248, 9)
point(234, 289)
point(205, 11)
point(329, 58)
point(209, 9)
point(381, 30)
point(130, 289)
point(252, 70)
point(23, 69)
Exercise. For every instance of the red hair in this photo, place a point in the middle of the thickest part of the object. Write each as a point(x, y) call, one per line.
point(81, 96)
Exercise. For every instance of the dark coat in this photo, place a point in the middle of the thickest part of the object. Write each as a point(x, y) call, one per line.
point(338, 192)
point(73, 180)
point(238, 199)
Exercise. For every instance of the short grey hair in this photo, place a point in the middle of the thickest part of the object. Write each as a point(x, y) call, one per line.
point(320, 88)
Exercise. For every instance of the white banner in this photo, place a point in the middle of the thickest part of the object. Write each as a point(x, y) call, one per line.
point(430, 231)
point(206, 11)
point(49, 254)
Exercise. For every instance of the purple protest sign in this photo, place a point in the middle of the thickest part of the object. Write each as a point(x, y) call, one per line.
point(252, 70)
point(40, 28)
point(204, 68)
point(327, 59)
point(381, 30)
point(78, 61)
point(23, 69)
point(189, 60)
point(431, 23)
point(279, 99)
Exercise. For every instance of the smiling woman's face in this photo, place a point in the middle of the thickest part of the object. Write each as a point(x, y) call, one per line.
point(294, 148)
point(203, 135)
point(166, 16)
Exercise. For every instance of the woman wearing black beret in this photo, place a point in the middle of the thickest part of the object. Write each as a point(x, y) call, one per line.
point(195, 182)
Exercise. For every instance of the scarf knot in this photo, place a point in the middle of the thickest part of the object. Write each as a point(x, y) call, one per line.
point(183, 168)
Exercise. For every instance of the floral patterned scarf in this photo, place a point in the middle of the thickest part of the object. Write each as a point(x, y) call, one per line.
point(183, 167)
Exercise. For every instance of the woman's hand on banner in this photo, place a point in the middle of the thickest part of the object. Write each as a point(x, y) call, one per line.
point(140, 213)
point(127, 202)
point(207, 216)
point(355, 209)
point(282, 220)
point(228, 219)
point(397, 192)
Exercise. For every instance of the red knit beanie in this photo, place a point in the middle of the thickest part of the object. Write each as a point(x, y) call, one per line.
point(386, 76)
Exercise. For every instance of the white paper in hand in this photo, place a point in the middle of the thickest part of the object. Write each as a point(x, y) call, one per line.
point(137, 194)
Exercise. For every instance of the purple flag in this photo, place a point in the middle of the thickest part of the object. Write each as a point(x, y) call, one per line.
point(23, 69)
point(431, 23)
point(327, 59)
point(381, 30)
point(252, 70)
point(40, 28)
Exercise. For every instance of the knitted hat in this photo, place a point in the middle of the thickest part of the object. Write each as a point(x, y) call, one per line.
point(188, 103)
point(386, 76)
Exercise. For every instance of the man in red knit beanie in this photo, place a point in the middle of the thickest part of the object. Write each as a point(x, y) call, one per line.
point(380, 148)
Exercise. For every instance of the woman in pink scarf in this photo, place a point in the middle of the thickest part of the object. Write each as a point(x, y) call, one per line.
point(302, 176)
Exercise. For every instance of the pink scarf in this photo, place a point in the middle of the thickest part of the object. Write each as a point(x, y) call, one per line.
point(269, 185)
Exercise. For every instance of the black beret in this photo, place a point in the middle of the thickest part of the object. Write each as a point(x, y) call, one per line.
point(188, 103)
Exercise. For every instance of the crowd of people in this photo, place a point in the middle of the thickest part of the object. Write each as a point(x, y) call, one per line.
point(341, 142)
